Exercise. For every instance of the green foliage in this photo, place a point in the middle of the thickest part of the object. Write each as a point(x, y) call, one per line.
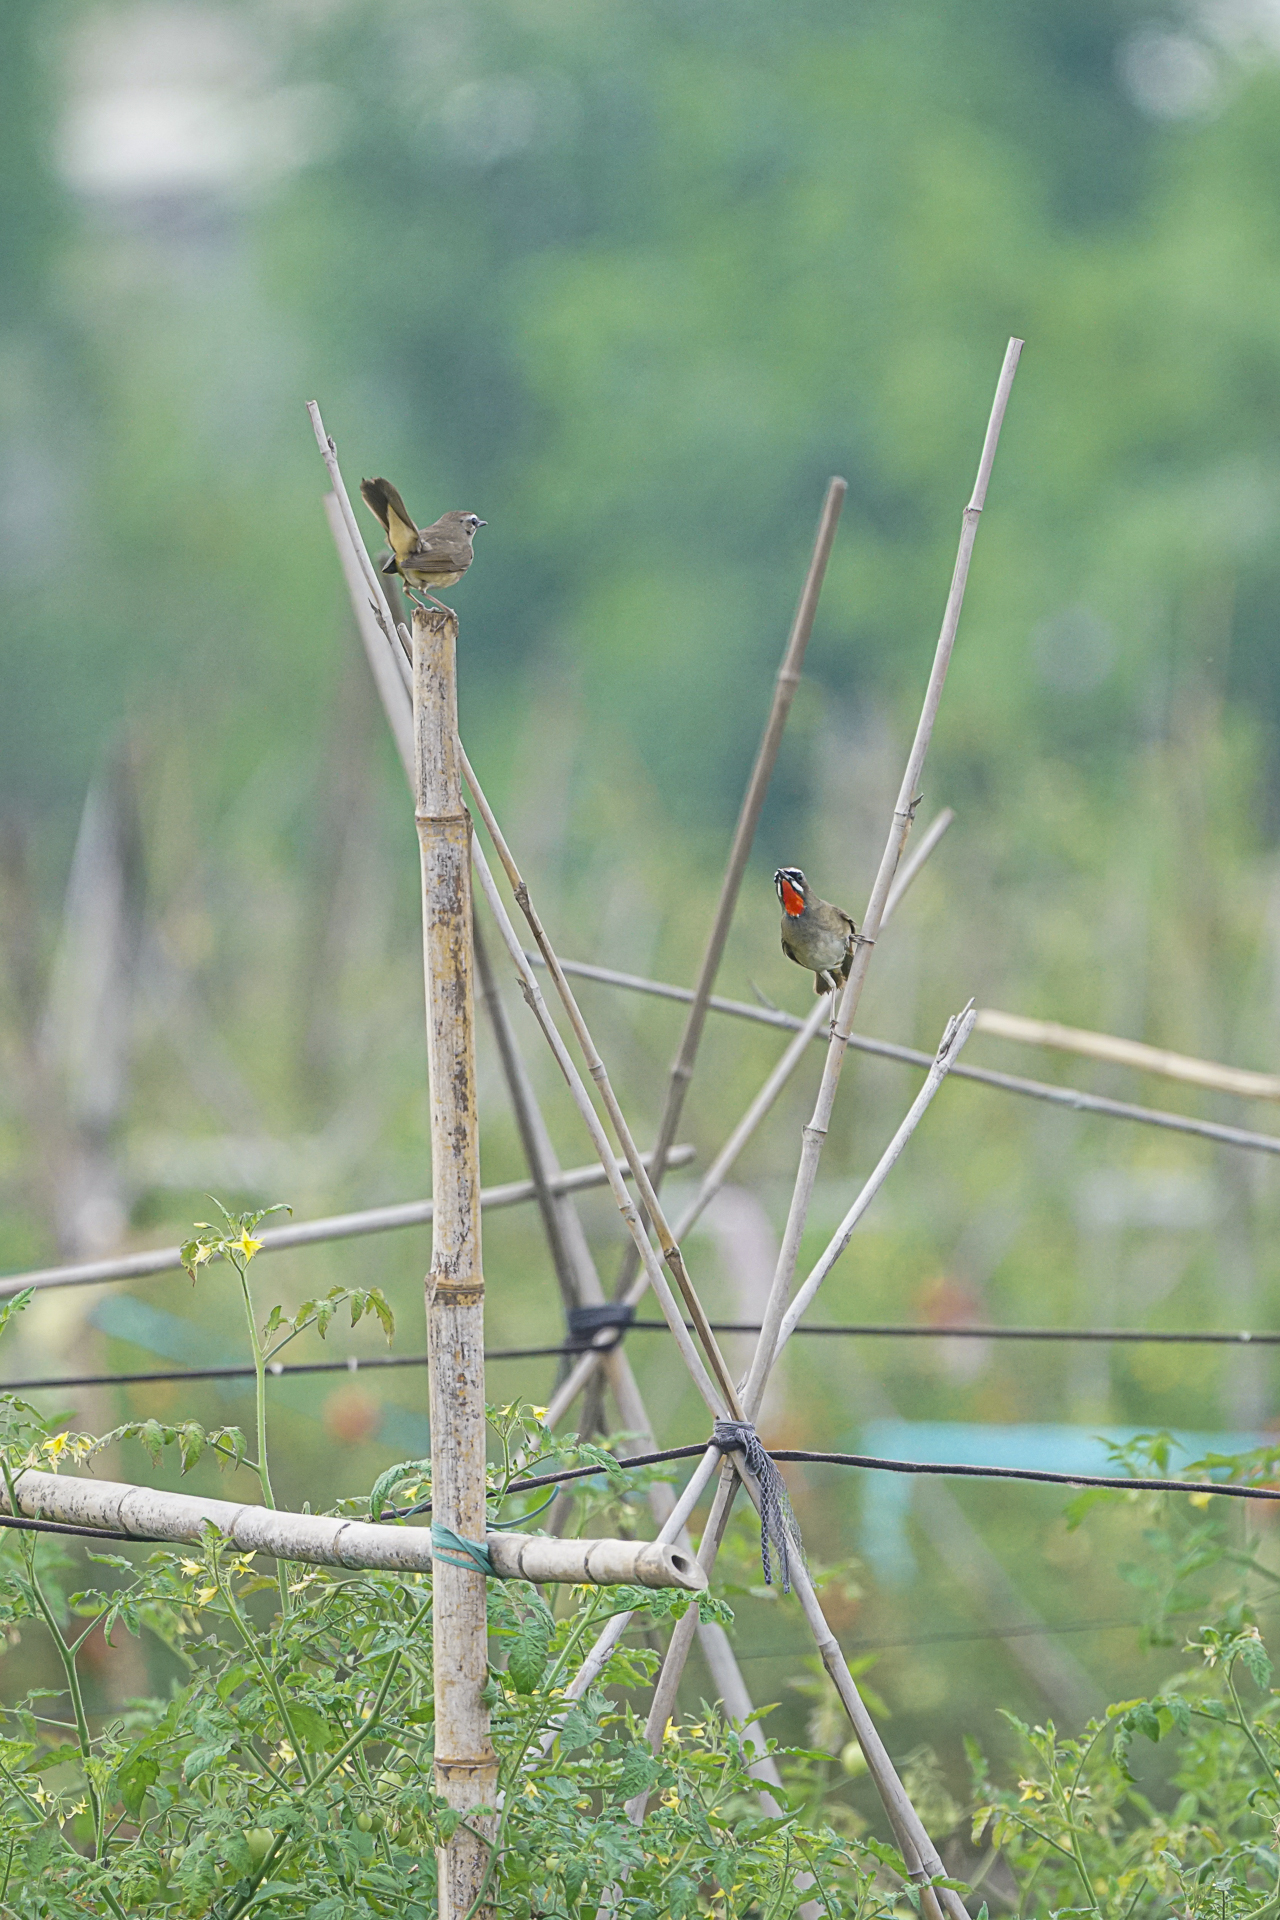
point(291, 1767)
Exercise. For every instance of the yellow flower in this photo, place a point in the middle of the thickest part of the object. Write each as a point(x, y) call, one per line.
point(205, 1595)
point(203, 1252)
point(191, 1567)
point(530, 1791)
point(54, 1448)
point(247, 1245)
point(1199, 1499)
point(1030, 1790)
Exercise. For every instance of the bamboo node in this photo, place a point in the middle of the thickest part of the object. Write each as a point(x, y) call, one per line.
point(457, 1293)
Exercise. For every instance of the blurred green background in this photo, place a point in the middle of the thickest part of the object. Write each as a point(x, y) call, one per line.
point(631, 281)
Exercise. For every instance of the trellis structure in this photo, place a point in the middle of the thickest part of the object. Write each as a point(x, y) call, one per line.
point(416, 679)
point(421, 668)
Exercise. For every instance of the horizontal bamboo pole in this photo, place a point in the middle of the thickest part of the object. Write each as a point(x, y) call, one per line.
point(1073, 1098)
point(321, 1541)
point(307, 1233)
point(596, 1563)
point(1130, 1053)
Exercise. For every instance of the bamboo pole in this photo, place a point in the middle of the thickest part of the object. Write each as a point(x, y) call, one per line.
point(319, 1540)
point(570, 1255)
point(1074, 1099)
point(465, 1762)
point(815, 1133)
point(1130, 1053)
point(309, 1233)
point(958, 1031)
point(784, 687)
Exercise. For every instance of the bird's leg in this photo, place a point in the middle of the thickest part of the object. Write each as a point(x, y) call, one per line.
point(439, 603)
point(411, 594)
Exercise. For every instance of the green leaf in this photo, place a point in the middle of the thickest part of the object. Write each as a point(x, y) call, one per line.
point(527, 1660)
point(132, 1779)
point(888, 1856)
point(386, 1482)
point(200, 1759)
point(640, 1769)
point(311, 1727)
point(1254, 1656)
point(15, 1304)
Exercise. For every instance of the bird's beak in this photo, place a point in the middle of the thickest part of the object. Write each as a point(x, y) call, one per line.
point(483, 523)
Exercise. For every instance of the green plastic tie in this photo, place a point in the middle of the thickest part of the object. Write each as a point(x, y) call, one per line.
point(456, 1551)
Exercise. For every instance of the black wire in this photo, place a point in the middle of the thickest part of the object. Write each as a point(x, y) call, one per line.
point(869, 1461)
point(824, 1329)
point(24, 1525)
point(875, 1464)
point(862, 1332)
point(353, 1365)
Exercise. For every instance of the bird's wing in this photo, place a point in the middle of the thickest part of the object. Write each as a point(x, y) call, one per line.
point(438, 550)
point(791, 953)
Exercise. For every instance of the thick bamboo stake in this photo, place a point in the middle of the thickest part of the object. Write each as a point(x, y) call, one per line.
point(596, 1067)
point(578, 1269)
point(1130, 1053)
point(784, 687)
point(719, 1170)
point(466, 1764)
point(320, 1541)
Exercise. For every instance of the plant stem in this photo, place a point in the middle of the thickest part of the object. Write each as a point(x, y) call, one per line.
point(260, 1408)
point(272, 1685)
point(73, 1688)
point(1249, 1733)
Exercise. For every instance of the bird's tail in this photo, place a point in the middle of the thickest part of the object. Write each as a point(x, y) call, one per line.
point(382, 499)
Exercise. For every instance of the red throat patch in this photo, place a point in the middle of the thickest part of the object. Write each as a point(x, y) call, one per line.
point(792, 900)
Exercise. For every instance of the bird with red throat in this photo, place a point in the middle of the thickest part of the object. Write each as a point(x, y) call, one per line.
point(815, 934)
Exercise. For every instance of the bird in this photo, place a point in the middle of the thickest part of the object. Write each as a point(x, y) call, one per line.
point(424, 557)
point(814, 933)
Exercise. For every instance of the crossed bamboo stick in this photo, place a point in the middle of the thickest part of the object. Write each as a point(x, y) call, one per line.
point(711, 1374)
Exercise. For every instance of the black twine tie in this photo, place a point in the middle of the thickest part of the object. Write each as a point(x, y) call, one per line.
point(778, 1530)
point(586, 1322)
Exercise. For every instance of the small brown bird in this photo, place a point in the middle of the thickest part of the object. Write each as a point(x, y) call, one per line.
point(814, 933)
point(424, 557)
